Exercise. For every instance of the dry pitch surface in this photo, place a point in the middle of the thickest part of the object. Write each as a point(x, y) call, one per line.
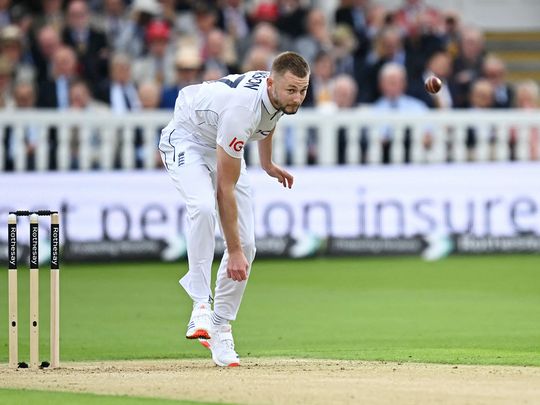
point(290, 381)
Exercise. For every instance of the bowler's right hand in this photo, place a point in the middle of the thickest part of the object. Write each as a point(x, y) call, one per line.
point(237, 266)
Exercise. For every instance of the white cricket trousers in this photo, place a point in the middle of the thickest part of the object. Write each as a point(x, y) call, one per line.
point(192, 168)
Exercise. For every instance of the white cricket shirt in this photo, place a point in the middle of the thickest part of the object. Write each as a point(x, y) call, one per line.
point(228, 112)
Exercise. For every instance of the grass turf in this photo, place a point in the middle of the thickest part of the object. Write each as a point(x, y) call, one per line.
point(11, 396)
point(468, 310)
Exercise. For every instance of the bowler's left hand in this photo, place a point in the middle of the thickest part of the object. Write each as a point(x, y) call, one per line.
point(281, 175)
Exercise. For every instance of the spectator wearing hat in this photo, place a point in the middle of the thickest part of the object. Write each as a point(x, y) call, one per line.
point(158, 64)
point(188, 66)
point(12, 46)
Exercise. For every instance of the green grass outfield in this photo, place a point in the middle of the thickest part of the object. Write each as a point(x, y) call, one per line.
point(467, 310)
point(9, 396)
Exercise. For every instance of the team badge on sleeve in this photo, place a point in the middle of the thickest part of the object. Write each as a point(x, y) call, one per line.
point(236, 144)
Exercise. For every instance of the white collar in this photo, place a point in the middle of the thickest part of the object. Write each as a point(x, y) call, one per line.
point(266, 101)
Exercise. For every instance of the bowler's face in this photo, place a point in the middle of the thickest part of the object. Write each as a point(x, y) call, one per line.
point(287, 92)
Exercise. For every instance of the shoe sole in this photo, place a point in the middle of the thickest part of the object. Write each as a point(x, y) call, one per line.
point(207, 345)
point(199, 334)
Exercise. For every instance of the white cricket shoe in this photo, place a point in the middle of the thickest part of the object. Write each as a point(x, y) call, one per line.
point(222, 346)
point(200, 323)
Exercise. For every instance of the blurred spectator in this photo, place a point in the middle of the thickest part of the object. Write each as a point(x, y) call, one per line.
point(355, 14)
point(392, 82)
point(344, 45)
point(24, 97)
point(439, 65)
point(257, 58)
point(206, 18)
point(317, 37)
point(132, 39)
point(265, 11)
point(527, 95)
point(411, 12)
point(48, 42)
point(120, 92)
point(5, 13)
point(482, 96)
point(388, 47)
point(149, 94)
point(170, 15)
point(211, 74)
point(54, 92)
point(12, 46)
point(24, 19)
point(236, 22)
point(320, 88)
point(80, 99)
point(266, 36)
point(188, 69)
point(527, 98)
point(291, 21)
point(423, 40)
point(51, 14)
point(89, 44)
point(451, 33)
point(319, 94)
point(115, 23)
point(157, 64)
point(344, 96)
point(220, 53)
point(468, 64)
point(379, 18)
point(494, 70)
point(6, 81)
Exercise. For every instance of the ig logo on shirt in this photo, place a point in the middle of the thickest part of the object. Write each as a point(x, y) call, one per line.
point(236, 144)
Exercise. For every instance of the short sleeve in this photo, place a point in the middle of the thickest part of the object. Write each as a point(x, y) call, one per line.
point(235, 126)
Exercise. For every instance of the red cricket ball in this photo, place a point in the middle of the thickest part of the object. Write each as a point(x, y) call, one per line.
point(432, 84)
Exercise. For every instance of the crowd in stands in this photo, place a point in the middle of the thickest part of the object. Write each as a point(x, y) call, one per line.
point(130, 55)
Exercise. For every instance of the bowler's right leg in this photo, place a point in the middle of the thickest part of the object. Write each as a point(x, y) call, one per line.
point(193, 180)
